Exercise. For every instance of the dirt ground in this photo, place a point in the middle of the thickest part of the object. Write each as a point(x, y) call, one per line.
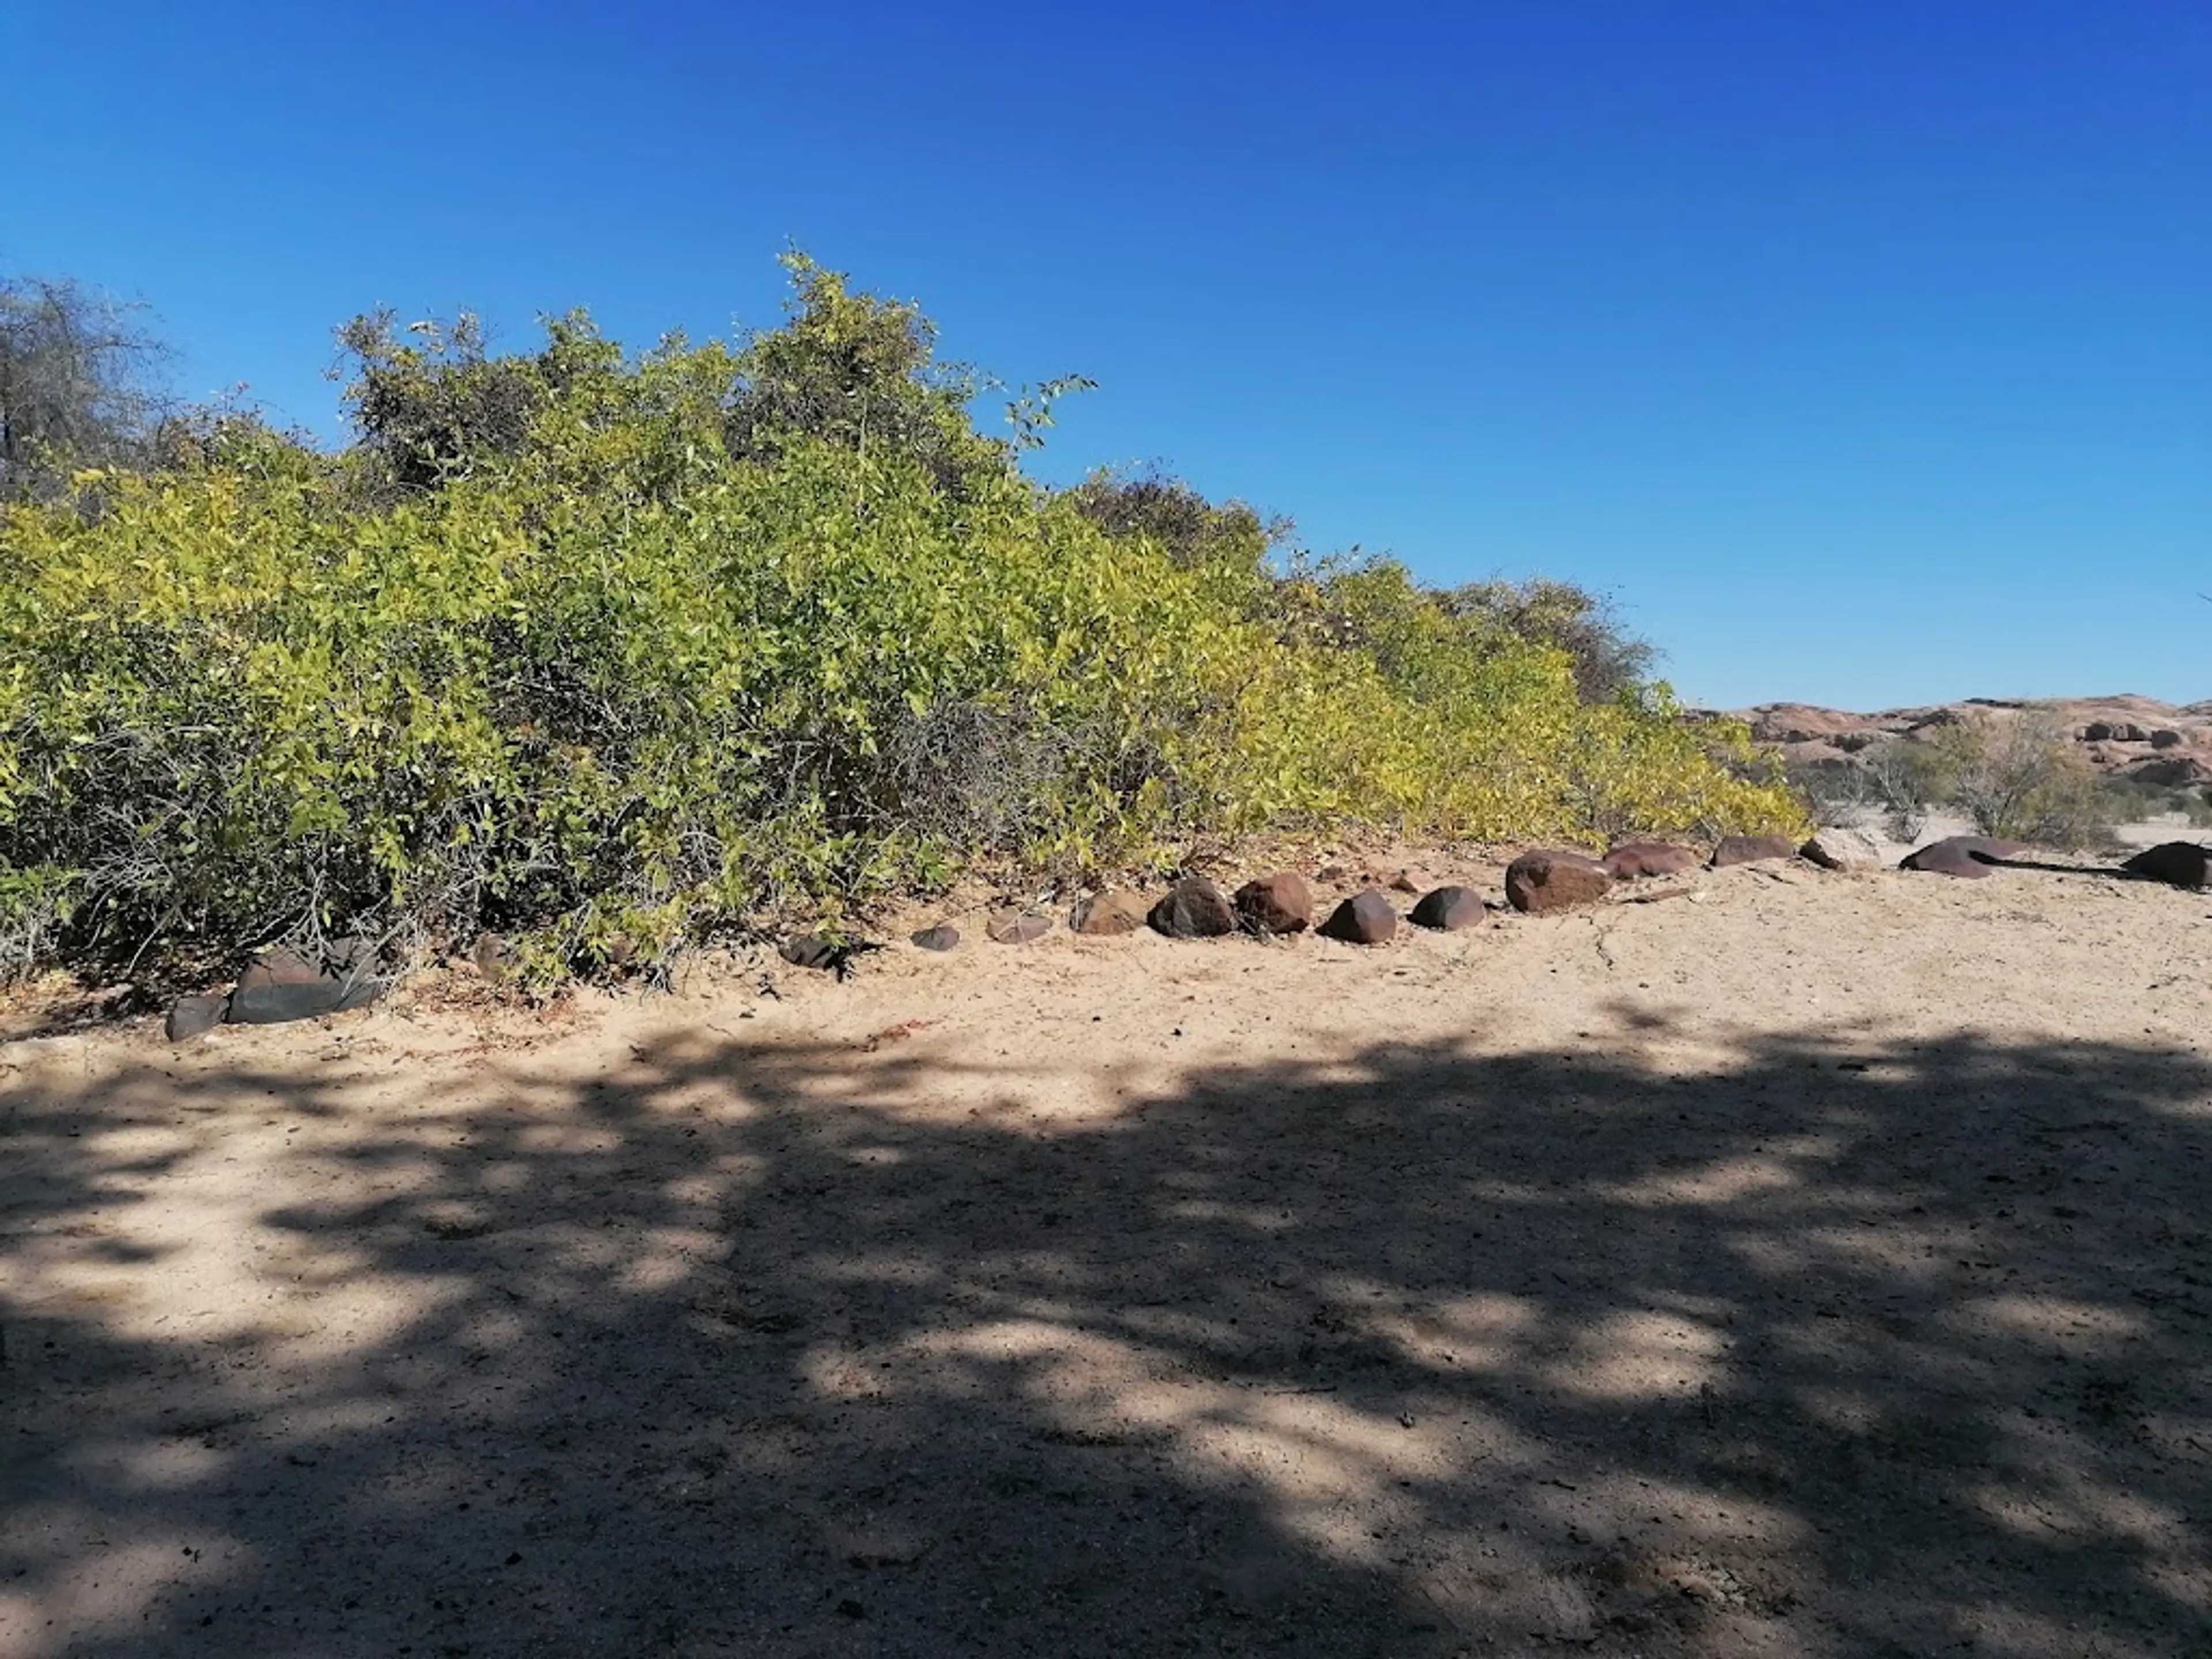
point(1809, 1265)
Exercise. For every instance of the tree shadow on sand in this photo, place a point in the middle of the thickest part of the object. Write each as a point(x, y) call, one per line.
point(1896, 1351)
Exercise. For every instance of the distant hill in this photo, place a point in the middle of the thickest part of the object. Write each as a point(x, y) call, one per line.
point(2125, 736)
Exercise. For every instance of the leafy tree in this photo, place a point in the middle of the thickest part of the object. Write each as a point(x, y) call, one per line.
point(437, 405)
point(1182, 523)
point(1607, 659)
point(860, 373)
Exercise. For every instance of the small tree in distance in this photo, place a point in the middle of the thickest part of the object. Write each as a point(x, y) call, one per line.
point(77, 383)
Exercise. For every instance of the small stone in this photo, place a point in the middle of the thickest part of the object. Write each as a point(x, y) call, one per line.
point(190, 1016)
point(448, 1219)
point(2177, 863)
point(1365, 918)
point(1106, 915)
point(1449, 909)
point(1960, 855)
point(1194, 909)
point(1403, 882)
point(1280, 903)
point(1752, 849)
point(1016, 927)
point(1550, 879)
point(1633, 858)
point(942, 936)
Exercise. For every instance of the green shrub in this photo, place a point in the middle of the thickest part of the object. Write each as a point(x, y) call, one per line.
point(2131, 800)
point(611, 652)
point(2020, 777)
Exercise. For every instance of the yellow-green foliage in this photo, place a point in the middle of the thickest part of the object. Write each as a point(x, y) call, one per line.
point(675, 655)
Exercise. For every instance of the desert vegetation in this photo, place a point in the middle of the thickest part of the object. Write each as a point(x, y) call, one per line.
point(611, 650)
point(2020, 776)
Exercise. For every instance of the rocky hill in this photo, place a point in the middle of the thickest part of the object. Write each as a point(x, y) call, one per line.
point(2123, 737)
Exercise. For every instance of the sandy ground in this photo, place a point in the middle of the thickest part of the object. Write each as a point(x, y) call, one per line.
point(1807, 1265)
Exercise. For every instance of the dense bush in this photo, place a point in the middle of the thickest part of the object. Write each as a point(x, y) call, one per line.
point(611, 652)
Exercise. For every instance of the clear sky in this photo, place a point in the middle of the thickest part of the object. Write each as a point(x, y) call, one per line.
point(1862, 349)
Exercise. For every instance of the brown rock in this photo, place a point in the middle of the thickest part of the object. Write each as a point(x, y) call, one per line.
point(1960, 855)
point(1193, 909)
point(1365, 918)
point(1752, 850)
point(2166, 738)
point(1450, 909)
point(190, 1016)
point(2177, 863)
point(942, 936)
point(1106, 915)
point(1279, 904)
point(1403, 882)
point(1549, 880)
point(1632, 859)
point(1012, 926)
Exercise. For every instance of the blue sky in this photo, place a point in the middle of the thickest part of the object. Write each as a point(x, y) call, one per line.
point(1862, 348)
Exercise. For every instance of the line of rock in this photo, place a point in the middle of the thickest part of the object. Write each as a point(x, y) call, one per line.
point(286, 984)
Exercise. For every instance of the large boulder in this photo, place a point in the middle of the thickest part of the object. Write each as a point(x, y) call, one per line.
point(2177, 863)
point(1106, 915)
point(1449, 909)
point(1193, 909)
point(1632, 859)
point(1752, 849)
point(1552, 879)
point(1365, 918)
point(286, 985)
point(1960, 855)
point(1843, 850)
point(1279, 904)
